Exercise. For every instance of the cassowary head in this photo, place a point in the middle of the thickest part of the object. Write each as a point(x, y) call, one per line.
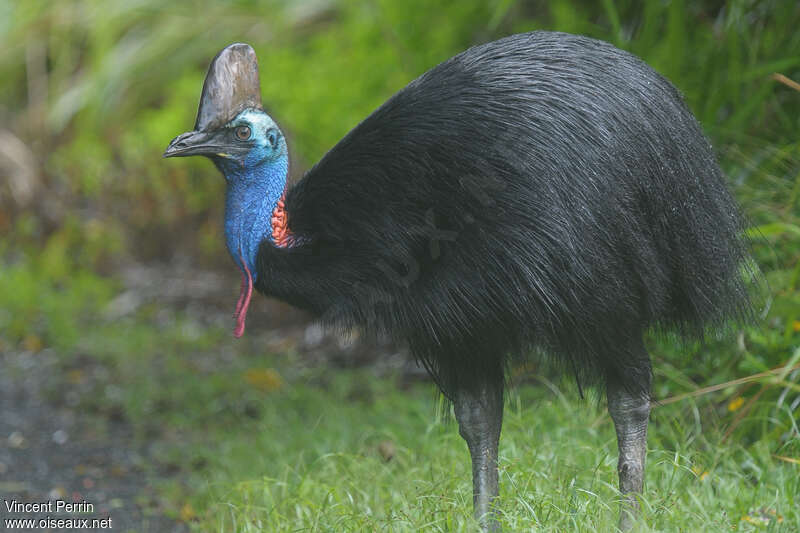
point(233, 130)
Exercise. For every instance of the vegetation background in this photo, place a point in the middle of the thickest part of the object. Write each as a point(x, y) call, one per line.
point(114, 281)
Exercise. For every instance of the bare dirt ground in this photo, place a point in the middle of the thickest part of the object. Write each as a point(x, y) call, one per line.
point(53, 448)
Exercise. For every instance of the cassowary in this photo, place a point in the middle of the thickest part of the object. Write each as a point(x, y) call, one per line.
point(544, 195)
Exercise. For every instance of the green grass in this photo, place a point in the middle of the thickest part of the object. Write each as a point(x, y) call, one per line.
point(248, 437)
point(312, 463)
point(262, 442)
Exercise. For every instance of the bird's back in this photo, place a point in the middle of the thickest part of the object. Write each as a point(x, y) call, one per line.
point(542, 190)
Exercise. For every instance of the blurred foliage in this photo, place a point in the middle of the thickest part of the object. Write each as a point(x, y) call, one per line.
point(96, 89)
point(93, 90)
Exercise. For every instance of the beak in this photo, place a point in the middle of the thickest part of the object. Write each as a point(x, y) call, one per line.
point(231, 86)
point(194, 143)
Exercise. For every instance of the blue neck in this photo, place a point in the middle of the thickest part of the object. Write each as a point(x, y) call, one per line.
point(253, 191)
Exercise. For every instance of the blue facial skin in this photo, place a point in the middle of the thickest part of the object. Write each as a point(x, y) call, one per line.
point(255, 182)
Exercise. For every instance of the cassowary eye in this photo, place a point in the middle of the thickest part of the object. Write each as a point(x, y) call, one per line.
point(243, 133)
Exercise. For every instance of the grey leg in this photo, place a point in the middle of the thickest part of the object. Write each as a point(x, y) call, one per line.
point(630, 413)
point(479, 413)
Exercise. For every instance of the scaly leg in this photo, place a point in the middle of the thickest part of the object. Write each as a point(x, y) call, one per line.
point(479, 413)
point(630, 413)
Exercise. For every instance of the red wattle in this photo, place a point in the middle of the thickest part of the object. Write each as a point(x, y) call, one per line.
point(244, 297)
point(240, 301)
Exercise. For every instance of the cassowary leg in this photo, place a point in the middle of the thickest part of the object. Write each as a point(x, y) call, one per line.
point(630, 412)
point(479, 412)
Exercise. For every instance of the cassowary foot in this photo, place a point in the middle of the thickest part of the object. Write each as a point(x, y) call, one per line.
point(629, 508)
point(628, 513)
point(485, 489)
point(479, 413)
point(630, 414)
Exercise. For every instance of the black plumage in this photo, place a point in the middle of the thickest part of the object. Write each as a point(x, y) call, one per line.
point(542, 190)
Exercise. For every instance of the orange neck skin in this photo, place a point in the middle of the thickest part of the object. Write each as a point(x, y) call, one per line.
point(281, 235)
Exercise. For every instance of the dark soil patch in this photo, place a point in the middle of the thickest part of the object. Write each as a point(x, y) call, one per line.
point(51, 449)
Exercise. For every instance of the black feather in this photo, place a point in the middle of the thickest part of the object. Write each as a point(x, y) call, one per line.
point(541, 193)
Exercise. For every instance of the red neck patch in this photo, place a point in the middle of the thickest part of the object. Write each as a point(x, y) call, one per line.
point(281, 235)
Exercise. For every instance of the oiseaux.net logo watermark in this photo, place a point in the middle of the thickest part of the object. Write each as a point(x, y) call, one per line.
point(44, 515)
